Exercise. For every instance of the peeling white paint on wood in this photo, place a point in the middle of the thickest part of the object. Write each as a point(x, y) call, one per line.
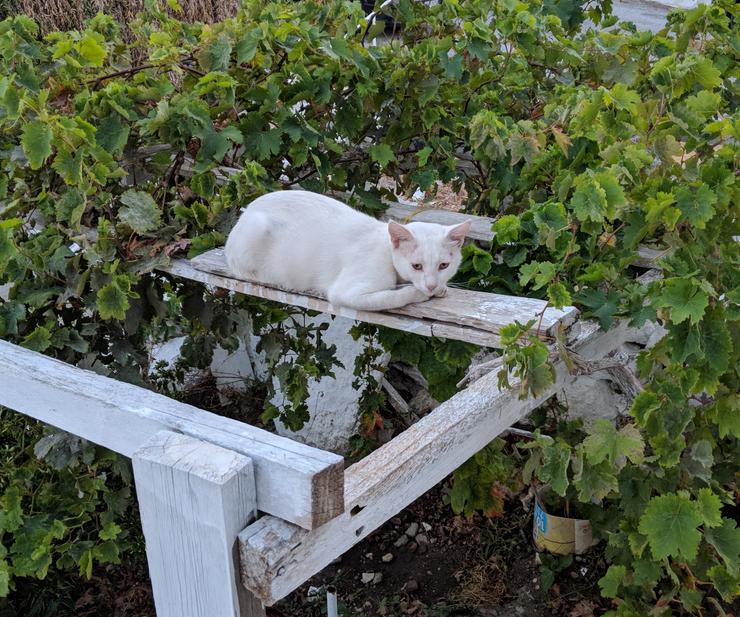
point(194, 498)
point(471, 316)
point(294, 481)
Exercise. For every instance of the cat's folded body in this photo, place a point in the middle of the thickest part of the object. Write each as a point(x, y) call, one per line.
point(306, 242)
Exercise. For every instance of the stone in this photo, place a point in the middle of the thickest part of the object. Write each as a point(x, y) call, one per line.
point(332, 402)
point(387, 558)
point(423, 548)
point(412, 585)
point(422, 403)
point(401, 541)
point(422, 539)
point(396, 521)
point(426, 526)
point(594, 396)
point(377, 578)
point(367, 577)
point(412, 530)
point(413, 547)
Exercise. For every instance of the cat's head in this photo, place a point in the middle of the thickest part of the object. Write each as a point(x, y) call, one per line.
point(427, 254)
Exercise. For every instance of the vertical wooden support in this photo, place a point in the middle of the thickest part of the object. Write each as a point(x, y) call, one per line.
point(195, 498)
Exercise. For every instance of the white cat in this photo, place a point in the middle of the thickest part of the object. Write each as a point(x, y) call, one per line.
point(303, 241)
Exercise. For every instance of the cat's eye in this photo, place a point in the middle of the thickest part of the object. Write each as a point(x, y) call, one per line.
point(417, 266)
point(443, 266)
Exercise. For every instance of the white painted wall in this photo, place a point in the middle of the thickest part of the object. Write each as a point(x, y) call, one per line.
point(649, 15)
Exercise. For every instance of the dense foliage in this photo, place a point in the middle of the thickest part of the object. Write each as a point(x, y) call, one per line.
point(583, 144)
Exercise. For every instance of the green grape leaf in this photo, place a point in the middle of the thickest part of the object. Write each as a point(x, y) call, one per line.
point(112, 134)
point(646, 572)
point(382, 154)
point(11, 510)
point(606, 443)
point(666, 147)
point(36, 142)
point(670, 523)
point(706, 73)
point(725, 413)
point(112, 302)
point(91, 49)
point(726, 583)
point(601, 305)
point(589, 201)
point(593, 482)
point(614, 192)
point(110, 532)
point(246, 48)
point(698, 461)
point(139, 211)
point(716, 342)
point(554, 469)
point(482, 262)
point(691, 598)
point(558, 295)
point(725, 538)
point(506, 229)
point(541, 271)
point(697, 206)
point(684, 300)
point(38, 340)
point(4, 579)
point(710, 507)
point(609, 583)
point(624, 98)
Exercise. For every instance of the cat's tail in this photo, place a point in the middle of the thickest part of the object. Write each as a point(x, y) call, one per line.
point(242, 245)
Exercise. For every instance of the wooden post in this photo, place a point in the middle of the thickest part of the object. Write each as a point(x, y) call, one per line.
point(195, 497)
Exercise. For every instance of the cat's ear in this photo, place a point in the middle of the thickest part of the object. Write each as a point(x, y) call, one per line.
point(399, 233)
point(457, 233)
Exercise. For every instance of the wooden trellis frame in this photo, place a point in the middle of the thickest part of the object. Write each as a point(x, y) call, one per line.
point(236, 517)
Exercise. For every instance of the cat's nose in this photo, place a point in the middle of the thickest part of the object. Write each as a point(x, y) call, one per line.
point(432, 286)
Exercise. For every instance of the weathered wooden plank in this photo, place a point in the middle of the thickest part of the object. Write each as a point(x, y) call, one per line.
point(277, 557)
point(406, 211)
point(194, 498)
point(464, 315)
point(183, 268)
point(294, 481)
point(480, 229)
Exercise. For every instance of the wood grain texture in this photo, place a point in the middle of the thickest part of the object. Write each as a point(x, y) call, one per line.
point(194, 498)
point(471, 316)
point(294, 481)
point(407, 211)
point(276, 557)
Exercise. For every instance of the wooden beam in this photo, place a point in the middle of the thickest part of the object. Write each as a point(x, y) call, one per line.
point(277, 557)
point(296, 482)
point(472, 316)
point(480, 229)
point(406, 211)
point(194, 498)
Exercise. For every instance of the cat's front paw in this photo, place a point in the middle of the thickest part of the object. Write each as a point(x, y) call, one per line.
point(441, 293)
point(418, 296)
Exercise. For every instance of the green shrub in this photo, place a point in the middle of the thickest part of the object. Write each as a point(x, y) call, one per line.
point(583, 145)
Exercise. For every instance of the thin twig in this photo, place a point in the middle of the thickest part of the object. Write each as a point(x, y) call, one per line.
point(121, 73)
